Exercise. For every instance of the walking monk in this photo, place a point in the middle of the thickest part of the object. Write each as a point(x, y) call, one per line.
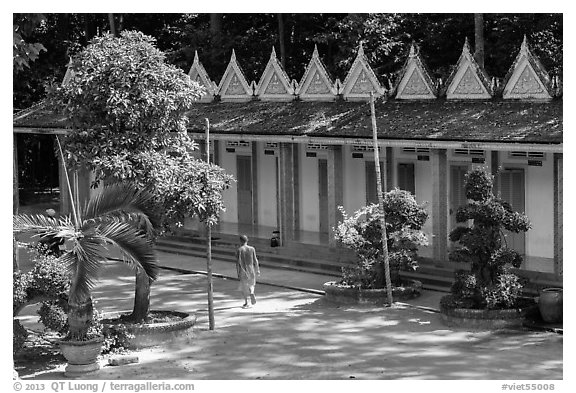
point(247, 268)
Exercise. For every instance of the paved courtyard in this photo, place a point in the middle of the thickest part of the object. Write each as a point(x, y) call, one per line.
point(292, 334)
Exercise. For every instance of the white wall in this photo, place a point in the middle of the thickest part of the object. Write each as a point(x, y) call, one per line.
point(309, 199)
point(267, 185)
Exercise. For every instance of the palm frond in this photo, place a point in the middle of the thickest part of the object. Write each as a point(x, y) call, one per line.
point(40, 224)
point(136, 249)
point(84, 262)
point(125, 201)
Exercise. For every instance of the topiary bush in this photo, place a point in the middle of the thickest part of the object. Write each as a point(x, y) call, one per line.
point(362, 233)
point(489, 284)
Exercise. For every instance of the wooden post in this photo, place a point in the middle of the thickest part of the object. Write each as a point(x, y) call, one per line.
point(209, 244)
point(380, 201)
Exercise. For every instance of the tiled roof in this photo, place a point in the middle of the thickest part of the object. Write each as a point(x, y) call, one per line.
point(483, 121)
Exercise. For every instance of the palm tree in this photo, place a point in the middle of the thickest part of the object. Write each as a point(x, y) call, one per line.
point(120, 216)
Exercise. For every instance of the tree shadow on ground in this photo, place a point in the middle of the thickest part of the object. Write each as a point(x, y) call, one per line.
point(296, 335)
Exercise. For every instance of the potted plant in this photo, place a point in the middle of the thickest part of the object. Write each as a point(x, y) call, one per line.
point(118, 216)
point(489, 295)
point(361, 231)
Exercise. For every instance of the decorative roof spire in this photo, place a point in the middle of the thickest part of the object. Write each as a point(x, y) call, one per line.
point(361, 49)
point(196, 59)
point(524, 45)
point(69, 73)
point(233, 57)
point(315, 53)
point(273, 52)
point(412, 51)
point(466, 47)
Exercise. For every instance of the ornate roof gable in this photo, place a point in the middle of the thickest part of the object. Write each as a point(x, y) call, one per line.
point(274, 84)
point(233, 86)
point(316, 84)
point(361, 80)
point(468, 81)
point(198, 74)
point(69, 73)
point(527, 78)
point(415, 82)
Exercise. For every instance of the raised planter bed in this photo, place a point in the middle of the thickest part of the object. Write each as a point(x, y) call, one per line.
point(352, 295)
point(178, 325)
point(481, 319)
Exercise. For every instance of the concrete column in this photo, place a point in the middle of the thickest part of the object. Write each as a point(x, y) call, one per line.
point(286, 193)
point(494, 166)
point(255, 183)
point(558, 211)
point(439, 206)
point(335, 189)
point(389, 170)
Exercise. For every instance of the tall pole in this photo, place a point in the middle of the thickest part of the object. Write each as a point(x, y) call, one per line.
point(380, 201)
point(209, 242)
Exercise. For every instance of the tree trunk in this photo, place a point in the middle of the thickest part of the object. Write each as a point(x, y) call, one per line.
point(215, 25)
point(141, 296)
point(281, 40)
point(80, 316)
point(479, 39)
point(112, 25)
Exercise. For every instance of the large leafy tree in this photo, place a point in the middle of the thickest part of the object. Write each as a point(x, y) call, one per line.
point(127, 111)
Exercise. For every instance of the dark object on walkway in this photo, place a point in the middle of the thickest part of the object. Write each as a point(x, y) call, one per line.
point(550, 304)
point(123, 360)
point(275, 239)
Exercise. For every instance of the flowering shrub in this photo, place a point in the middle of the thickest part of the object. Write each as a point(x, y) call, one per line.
point(483, 245)
point(504, 293)
point(47, 283)
point(362, 233)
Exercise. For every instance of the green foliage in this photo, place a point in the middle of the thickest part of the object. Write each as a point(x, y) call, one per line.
point(362, 233)
point(504, 293)
point(128, 112)
point(116, 217)
point(53, 316)
point(49, 278)
point(20, 284)
point(46, 283)
point(19, 336)
point(25, 52)
point(483, 245)
point(386, 38)
point(116, 338)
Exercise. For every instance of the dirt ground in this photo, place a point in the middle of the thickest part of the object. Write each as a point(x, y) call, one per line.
point(295, 335)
